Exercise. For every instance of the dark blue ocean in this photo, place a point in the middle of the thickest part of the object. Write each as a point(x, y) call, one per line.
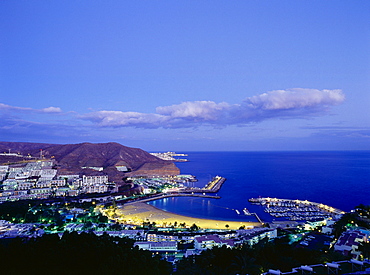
point(338, 179)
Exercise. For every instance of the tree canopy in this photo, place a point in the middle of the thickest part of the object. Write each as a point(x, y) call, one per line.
point(75, 253)
point(277, 254)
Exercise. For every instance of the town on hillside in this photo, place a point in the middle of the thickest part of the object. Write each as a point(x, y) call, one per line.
point(36, 200)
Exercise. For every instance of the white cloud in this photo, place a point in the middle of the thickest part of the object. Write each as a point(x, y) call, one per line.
point(10, 108)
point(26, 109)
point(51, 110)
point(121, 119)
point(202, 110)
point(295, 99)
point(291, 103)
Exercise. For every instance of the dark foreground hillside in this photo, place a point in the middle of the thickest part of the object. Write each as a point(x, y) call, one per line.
point(87, 253)
point(74, 253)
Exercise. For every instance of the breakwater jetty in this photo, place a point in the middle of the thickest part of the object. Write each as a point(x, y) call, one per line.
point(212, 186)
point(296, 209)
point(169, 195)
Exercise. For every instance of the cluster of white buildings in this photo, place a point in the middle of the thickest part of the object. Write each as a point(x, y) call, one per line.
point(158, 241)
point(12, 230)
point(169, 156)
point(350, 241)
point(165, 183)
point(39, 180)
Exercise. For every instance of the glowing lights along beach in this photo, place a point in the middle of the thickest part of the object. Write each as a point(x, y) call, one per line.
point(137, 211)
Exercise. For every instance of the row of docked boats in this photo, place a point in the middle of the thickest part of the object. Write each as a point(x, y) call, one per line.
point(295, 209)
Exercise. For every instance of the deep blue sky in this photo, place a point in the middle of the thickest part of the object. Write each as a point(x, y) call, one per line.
point(187, 75)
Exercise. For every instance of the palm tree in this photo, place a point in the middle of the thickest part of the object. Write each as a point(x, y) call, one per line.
point(194, 227)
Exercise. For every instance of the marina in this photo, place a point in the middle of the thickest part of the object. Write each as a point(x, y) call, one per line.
point(296, 210)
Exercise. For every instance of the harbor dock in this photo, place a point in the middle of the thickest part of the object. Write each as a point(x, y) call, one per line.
point(169, 195)
point(211, 187)
point(296, 209)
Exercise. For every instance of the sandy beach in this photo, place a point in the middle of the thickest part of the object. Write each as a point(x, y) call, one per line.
point(138, 212)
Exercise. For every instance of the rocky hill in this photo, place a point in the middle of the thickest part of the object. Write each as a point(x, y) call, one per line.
point(71, 158)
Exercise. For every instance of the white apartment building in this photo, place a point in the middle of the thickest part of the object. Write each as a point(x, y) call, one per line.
point(43, 184)
point(40, 190)
point(349, 242)
point(210, 241)
point(25, 185)
point(48, 174)
point(35, 173)
point(253, 236)
point(158, 246)
point(10, 184)
point(4, 168)
point(2, 176)
point(95, 188)
point(94, 179)
point(58, 183)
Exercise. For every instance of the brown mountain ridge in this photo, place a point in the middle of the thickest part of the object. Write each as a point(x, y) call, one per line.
point(71, 158)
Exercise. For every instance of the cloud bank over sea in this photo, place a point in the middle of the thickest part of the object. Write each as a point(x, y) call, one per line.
point(290, 103)
point(187, 122)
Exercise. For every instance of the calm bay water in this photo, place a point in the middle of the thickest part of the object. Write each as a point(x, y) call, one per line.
point(338, 179)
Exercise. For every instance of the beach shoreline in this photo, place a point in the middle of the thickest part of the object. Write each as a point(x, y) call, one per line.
point(139, 212)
